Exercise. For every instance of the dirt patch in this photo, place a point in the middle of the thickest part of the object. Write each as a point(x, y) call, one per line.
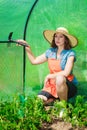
point(60, 125)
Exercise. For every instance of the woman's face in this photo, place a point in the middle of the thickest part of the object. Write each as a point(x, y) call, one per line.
point(59, 39)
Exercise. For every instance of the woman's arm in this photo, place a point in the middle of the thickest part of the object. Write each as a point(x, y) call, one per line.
point(34, 60)
point(66, 72)
point(69, 66)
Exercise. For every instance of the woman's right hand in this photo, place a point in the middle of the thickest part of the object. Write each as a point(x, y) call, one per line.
point(23, 43)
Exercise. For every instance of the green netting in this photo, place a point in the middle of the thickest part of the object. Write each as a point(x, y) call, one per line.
point(13, 15)
point(47, 14)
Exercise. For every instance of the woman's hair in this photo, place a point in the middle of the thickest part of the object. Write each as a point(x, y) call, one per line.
point(67, 44)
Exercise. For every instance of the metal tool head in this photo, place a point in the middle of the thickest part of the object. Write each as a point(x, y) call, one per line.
point(10, 36)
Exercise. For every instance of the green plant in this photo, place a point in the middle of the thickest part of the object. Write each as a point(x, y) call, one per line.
point(78, 112)
point(22, 114)
point(75, 113)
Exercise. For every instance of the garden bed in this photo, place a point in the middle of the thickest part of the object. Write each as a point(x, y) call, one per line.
point(30, 114)
point(60, 125)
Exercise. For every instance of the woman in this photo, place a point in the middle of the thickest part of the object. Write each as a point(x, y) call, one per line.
point(60, 83)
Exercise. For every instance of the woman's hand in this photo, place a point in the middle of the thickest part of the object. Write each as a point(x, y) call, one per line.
point(48, 77)
point(22, 42)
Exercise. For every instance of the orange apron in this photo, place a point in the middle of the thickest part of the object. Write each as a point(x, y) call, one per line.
point(54, 67)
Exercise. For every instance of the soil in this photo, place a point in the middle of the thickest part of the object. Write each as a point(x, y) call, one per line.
point(60, 125)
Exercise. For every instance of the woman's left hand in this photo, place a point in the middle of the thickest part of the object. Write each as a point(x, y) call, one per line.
point(48, 77)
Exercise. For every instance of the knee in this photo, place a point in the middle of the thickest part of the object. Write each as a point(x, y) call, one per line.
point(60, 80)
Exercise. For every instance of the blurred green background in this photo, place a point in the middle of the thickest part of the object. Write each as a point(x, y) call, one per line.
point(47, 14)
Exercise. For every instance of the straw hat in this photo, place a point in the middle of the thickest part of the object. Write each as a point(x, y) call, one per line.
point(48, 34)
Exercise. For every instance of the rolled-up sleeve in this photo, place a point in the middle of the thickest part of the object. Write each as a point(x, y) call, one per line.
point(72, 53)
point(48, 53)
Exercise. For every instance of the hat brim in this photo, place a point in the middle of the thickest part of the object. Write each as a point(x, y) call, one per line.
point(48, 34)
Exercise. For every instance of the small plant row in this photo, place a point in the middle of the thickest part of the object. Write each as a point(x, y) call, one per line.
point(29, 114)
point(22, 114)
point(75, 113)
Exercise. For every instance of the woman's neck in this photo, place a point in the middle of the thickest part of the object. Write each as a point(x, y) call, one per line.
point(60, 50)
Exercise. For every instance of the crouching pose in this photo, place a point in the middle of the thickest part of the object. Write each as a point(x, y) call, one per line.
point(60, 83)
